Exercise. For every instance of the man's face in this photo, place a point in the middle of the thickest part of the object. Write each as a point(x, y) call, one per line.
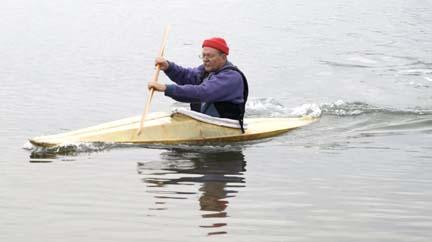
point(213, 59)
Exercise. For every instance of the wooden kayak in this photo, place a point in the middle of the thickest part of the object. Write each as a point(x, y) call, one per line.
point(178, 127)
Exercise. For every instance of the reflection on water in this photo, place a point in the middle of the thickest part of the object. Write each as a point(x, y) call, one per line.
point(42, 157)
point(181, 174)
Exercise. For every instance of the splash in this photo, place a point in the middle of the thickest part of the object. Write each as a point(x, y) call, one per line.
point(260, 107)
point(342, 108)
point(312, 110)
point(92, 147)
point(68, 149)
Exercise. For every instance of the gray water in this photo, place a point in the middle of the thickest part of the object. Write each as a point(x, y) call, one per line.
point(362, 173)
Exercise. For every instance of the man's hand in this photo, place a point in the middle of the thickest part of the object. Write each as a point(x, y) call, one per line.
point(162, 62)
point(156, 86)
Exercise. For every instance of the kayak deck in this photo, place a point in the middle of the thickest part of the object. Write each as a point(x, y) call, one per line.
point(165, 128)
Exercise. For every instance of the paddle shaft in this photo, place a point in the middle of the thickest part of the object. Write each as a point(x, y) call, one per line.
point(150, 96)
point(155, 79)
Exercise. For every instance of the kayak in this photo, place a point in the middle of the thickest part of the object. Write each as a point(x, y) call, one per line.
point(180, 126)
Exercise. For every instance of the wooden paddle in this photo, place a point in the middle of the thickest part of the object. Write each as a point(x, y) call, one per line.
point(155, 79)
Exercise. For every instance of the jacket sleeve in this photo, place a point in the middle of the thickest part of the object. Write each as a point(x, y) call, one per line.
point(170, 93)
point(182, 76)
point(225, 86)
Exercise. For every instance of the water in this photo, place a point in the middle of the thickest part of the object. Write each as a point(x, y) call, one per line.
point(362, 173)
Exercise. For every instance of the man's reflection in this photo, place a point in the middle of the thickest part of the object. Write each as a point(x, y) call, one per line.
point(220, 174)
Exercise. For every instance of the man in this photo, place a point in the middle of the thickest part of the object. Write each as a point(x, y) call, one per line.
point(216, 88)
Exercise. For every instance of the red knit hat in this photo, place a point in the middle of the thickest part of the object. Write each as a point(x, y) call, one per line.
point(216, 43)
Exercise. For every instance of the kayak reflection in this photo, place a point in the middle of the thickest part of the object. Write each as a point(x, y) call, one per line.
point(181, 174)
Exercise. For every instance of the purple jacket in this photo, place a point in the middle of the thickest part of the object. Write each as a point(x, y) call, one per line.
point(225, 86)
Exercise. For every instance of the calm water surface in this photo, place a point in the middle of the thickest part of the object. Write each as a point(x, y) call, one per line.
point(362, 173)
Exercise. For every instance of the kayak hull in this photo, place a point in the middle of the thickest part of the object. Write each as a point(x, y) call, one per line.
point(163, 128)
